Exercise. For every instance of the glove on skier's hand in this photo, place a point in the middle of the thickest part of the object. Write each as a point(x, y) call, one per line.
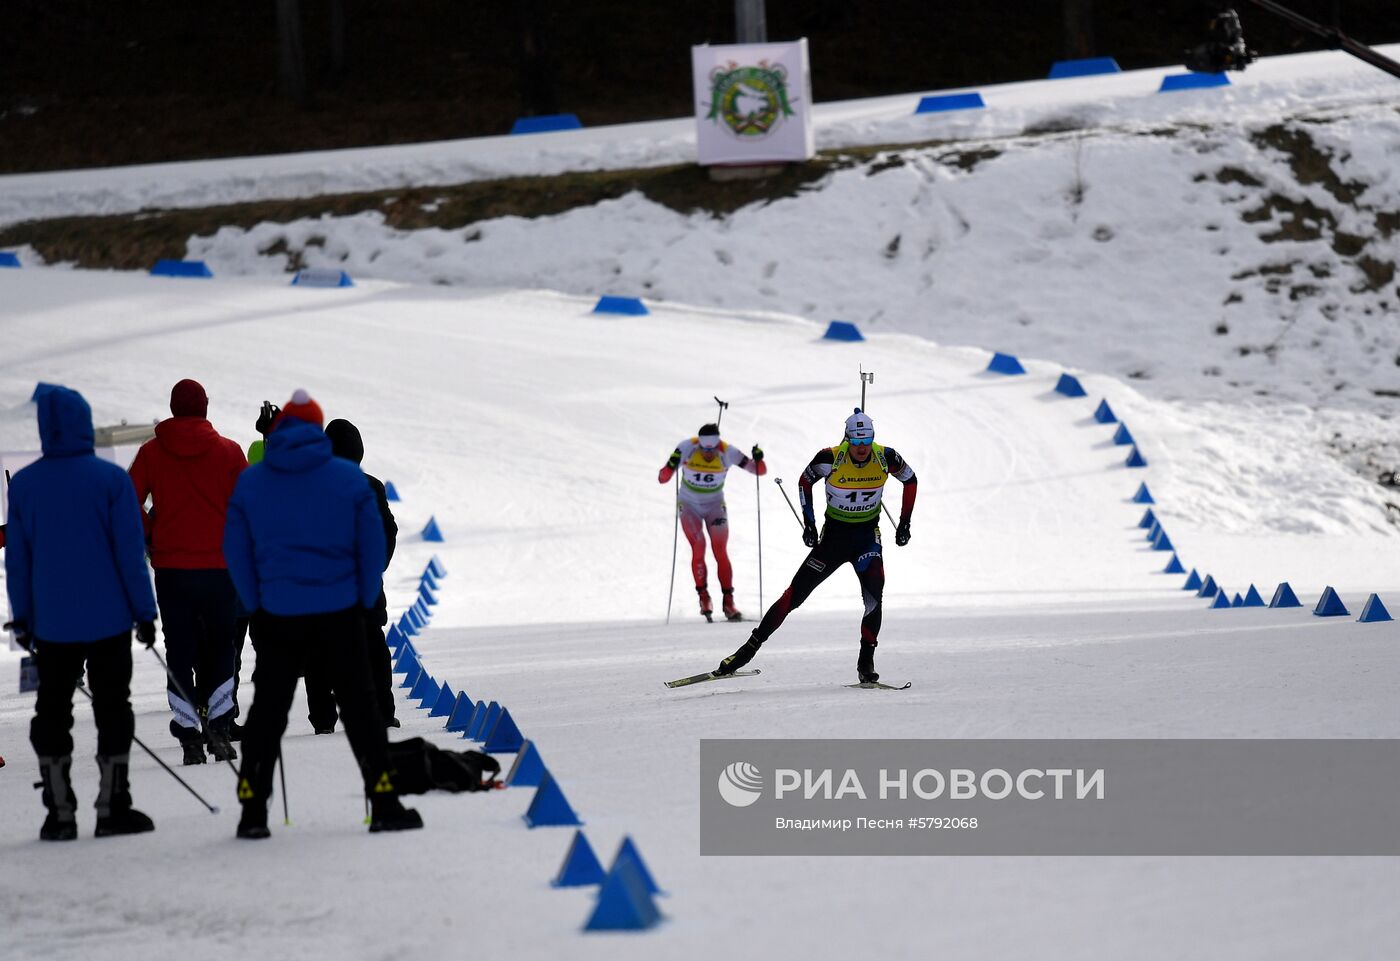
point(809, 534)
point(21, 632)
point(901, 534)
point(664, 475)
point(146, 633)
point(756, 453)
point(266, 416)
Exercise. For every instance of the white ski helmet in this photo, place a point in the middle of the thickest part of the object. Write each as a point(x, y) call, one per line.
point(860, 426)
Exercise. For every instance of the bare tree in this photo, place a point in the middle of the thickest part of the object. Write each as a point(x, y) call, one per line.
point(291, 56)
point(1079, 29)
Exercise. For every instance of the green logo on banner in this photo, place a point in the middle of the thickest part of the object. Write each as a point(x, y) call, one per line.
point(752, 101)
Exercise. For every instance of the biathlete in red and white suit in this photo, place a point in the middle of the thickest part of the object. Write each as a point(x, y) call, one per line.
point(703, 461)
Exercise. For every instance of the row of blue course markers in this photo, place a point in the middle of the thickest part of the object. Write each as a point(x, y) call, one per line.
point(626, 896)
point(1328, 605)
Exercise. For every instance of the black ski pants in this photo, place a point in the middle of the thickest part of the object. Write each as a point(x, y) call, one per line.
point(320, 698)
point(198, 611)
point(287, 646)
point(841, 543)
point(108, 663)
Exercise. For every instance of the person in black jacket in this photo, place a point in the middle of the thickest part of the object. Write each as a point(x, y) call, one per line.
point(320, 699)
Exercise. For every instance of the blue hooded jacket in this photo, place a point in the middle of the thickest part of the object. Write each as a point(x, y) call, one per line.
point(75, 557)
point(303, 534)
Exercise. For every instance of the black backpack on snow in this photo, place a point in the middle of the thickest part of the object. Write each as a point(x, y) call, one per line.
point(422, 767)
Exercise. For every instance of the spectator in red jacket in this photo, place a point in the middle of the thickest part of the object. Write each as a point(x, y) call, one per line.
point(189, 471)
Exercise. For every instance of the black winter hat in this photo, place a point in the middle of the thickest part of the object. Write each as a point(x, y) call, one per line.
point(345, 440)
point(709, 429)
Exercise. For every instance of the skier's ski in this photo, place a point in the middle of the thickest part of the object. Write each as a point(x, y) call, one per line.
point(708, 676)
point(878, 686)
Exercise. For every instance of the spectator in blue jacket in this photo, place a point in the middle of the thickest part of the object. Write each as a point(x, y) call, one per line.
point(75, 570)
point(305, 547)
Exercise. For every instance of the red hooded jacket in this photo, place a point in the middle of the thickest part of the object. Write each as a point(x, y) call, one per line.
point(188, 471)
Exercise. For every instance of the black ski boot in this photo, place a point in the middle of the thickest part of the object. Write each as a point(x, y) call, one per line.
point(216, 735)
point(386, 813)
point(865, 664)
point(194, 752)
point(740, 657)
point(731, 613)
point(115, 815)
point(706, 608)
point(61, 823)
point(252, 826)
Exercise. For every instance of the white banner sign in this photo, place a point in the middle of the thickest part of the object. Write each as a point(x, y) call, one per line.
point(753, 103)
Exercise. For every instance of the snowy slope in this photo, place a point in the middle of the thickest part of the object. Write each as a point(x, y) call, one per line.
point(1027, 605)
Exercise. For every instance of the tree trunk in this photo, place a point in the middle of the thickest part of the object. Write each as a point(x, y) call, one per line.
point(1079, 29)
point(291, 56)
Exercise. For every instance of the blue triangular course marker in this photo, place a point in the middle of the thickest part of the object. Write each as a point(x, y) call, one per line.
point(503, 737)
point(1192, 81)
point(1252, 598)
point(1220, 600)
point(545, 123)
point(1005, 364)
point(627, 851)
point(181, 268)
point(477, 728)
point(1208, 587)
point(477, 716)
point(580, 867)
point(1164, 543)
point(393, 639)
point(941, 103)
point(1193, 581)
point(1174, 566)
point(1238, 601)
point(428, 580)
point(1084, 67)
point(426, 596)
point(549, 808)
point(415, 671)
point(1070, 386)
point(623, 903)
point(461, 713)
point(322, 277)
point(446, 700)
point(430, 694)
point(1148, 519)
point(421, 687)
point(1154, 530)
point(391, 493)
point(1122, 436)
point(436, 567)
point(432, 532)
point(1135, 458)
point(1143, 495)
point(488, 721)
point(1104, 414)
point(1284, 596)
point(8, 259)
point(406, 626)
point(627, 306)
point(406, 662)
point(422, 611)
point(843, 330)
point(1330, 605)
point(1374, 611)
point(415, 619)
point(528, 769)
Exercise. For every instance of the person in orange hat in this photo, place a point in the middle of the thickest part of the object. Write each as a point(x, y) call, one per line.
point(305, 547)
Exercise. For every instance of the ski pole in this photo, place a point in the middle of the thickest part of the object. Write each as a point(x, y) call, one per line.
point(675, 542)
point(282, 775)
point(758, 502)
point(168, 770)
point(779, 482)
point(180, 690)
point(723, 406)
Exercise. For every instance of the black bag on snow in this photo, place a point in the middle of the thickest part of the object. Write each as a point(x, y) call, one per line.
point(422, 767)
